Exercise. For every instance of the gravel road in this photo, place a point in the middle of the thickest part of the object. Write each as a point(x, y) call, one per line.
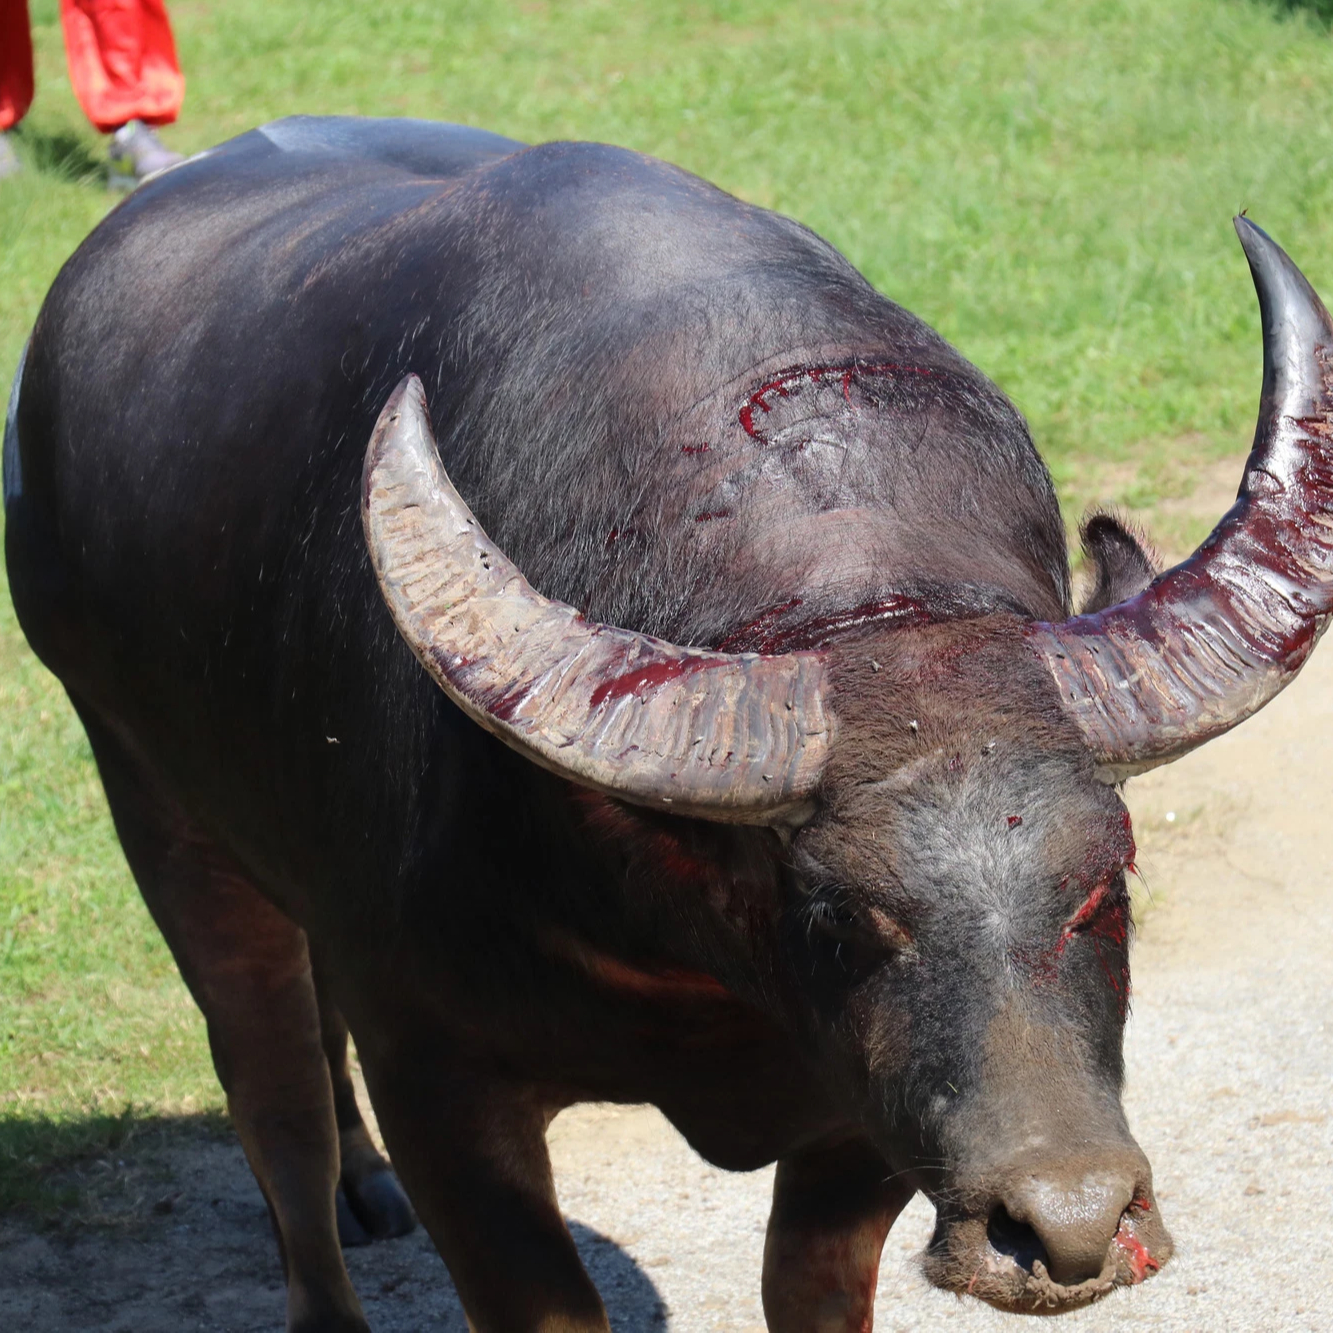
point(1229, 1077)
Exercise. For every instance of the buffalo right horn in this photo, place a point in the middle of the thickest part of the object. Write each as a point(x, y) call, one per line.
point(1214, 639)
point(733, 737)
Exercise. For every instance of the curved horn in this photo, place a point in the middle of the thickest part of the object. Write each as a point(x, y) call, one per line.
point(1214, 639)
point(733, 737)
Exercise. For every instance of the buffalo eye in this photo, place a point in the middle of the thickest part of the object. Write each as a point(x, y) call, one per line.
point(852, 938)
point(1103, 910)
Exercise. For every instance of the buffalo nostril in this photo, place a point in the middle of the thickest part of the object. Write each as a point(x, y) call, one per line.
point(1075, 1226)
point(1016, 1239)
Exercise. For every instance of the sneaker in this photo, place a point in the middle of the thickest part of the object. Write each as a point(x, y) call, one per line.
point(9, 159)
point(137, 153)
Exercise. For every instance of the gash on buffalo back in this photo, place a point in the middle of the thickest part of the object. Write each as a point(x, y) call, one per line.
point(679, 700)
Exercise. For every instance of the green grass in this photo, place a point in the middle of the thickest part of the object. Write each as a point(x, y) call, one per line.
point(96, 1029)
point(1321, 9)
point(1049, 184)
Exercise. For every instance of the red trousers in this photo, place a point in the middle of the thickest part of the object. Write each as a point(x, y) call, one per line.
point(122, 61)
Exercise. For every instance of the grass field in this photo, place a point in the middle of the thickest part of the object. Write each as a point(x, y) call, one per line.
point(1049, 184)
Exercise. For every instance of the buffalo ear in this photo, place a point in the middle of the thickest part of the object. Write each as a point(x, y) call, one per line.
point(1124, 567)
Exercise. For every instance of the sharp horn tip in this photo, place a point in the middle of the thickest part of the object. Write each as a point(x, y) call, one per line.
point(1268, 260)
point(409, 396)
point(1281, 285)
point(408, 388)
point(1253, 238)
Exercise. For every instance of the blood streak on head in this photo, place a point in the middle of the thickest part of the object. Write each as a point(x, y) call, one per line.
point(1105, 858)
point(790, 382)
point(1087, 914)
point(750, 637)
point(1102, 917)
point(767, 634)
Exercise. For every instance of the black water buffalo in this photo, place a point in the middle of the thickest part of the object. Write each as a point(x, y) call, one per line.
point(789, 803)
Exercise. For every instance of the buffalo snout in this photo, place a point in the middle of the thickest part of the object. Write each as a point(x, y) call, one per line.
point(1045, 1236)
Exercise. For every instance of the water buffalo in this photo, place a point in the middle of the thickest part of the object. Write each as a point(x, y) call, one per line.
point(789, 804)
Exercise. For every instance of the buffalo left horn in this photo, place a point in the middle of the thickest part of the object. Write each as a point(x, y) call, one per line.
point(1214, 639)
point(733, 737)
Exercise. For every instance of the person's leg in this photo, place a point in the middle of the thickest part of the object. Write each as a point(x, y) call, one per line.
point(15, 75)
point(122, 61)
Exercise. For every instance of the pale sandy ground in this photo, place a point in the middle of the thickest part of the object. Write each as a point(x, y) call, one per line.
point(1229, 1093)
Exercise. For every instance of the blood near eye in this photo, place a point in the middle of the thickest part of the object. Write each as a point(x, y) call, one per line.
point(1107, 900)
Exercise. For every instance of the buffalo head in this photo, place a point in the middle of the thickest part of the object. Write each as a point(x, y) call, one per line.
point(953, 848)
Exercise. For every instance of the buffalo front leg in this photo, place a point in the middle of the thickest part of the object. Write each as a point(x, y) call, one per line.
point(371, 1204)
point(832, 1209)
point(472, 1153)
point(248, 968)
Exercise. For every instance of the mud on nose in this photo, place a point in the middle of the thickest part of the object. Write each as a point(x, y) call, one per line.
point(1050, 1240)
point(1068, 1228)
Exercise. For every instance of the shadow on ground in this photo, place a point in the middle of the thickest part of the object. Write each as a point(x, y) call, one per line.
point(59, 152)
point(91, 1170)
point(153, 1224)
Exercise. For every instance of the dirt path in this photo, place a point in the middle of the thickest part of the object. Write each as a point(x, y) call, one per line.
point(1229, 1077)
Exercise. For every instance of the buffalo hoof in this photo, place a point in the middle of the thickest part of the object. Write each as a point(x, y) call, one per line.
point(351, 1234)
point(375, 1208)
point(340, 1322)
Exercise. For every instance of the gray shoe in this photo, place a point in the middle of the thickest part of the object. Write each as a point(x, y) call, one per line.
point(9, 159)
point(137, 153)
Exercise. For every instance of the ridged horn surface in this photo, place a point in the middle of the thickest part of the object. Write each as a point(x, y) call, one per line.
point(1212, 640)
point(738, 738)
